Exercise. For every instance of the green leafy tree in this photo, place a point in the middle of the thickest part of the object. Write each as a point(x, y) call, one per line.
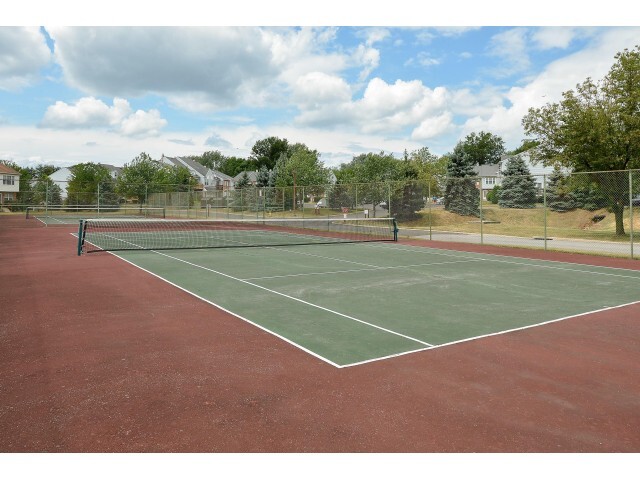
point(212, 159)
point(518, 189)
point(408, 196)
point(595, 128)
point(267, 151)
point(431, 169)
point(46, 192)
point(232, 166)
point(87, 181)
point(494, 195)
point(525, 146)
point(142, 176)
point(373, 172)
point(482, 148)
point(303, 172)
point(461, 195)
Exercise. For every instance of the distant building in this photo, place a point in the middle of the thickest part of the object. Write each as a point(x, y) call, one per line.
point(208, 179)
point(10, 185)
point(61, 178)
point(492, 175)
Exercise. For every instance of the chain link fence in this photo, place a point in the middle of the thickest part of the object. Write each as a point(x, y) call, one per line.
point(595, 213)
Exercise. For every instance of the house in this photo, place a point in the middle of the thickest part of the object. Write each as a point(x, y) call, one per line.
point(61, 178)
point(252, 175)
point(492, 175)
point(113, 170)
point(10, 185)
point(208, 179)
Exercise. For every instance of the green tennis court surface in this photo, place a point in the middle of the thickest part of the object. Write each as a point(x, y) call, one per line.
point(354, 303)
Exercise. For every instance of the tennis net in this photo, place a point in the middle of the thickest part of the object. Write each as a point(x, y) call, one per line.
point(101, 234)
point(73, 213)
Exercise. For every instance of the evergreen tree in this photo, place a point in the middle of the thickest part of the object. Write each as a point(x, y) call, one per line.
point(518, 188)
point(559, 196)
point(461, 195)
point(263, 177)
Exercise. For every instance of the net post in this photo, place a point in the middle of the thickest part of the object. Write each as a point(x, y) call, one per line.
point(81, 229)
point(395, 230)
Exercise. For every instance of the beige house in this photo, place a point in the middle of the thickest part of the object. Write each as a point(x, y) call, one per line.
point(10, 185)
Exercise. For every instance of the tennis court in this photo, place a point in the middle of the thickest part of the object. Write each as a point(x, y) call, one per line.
point(353, 303)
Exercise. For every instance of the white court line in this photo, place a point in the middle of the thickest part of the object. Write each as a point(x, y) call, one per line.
point(231, 277)
point(362, 269)
point(464, 340)
point(513, 262)
point(427, 345)
point(290, 342)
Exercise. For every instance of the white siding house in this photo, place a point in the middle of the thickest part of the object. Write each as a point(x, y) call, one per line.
point(61, 178)
point(493, 175)
point(207, 178)
point(9, 184)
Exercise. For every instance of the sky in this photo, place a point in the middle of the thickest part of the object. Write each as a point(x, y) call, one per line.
point(378, 81)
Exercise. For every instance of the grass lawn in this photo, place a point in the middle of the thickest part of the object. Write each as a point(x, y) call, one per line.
point(597, 225)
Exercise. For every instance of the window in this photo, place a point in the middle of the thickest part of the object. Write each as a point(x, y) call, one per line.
point(490, 180)
point(8, 180)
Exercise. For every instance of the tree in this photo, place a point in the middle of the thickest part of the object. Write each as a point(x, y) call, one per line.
point(494, 195)
point(232, 166)
point(211, 159)
point(595, 128)
point(482, 148)
point(558, 191)
point(461, 195)
point(525, 146)
point(518, 189)
point(267, 151)
point(143, 175)
point(408, 195)
point(90, 184)
point(46, 192)
point(262, 179)
point(431, 169)
point(303, 171)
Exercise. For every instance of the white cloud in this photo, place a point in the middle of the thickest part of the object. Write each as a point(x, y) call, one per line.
point(546, 38)
point(142, 124)
point(368, 58)
point(23, 52)
point(511, 46)
point(317, 89)
point(89, 112)
point(427, 60)
point(221, 63)
point(433, 127)
point(594, 61)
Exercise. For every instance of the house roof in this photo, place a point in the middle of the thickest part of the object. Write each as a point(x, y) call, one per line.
point(222, 176)
point(488, 170)
point(111, 168)
point(187, 162)
point(253, 175)
point(7, 170)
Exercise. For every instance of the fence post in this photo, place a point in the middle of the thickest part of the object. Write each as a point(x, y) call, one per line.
point(429, 203)
point(98, 199)
point(631, 211)
point(479, 183)
point(544, 205)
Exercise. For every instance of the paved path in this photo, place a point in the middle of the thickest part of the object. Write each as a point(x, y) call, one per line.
point(564, 244)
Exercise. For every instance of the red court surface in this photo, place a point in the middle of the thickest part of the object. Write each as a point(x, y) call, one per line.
point(99, 356)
